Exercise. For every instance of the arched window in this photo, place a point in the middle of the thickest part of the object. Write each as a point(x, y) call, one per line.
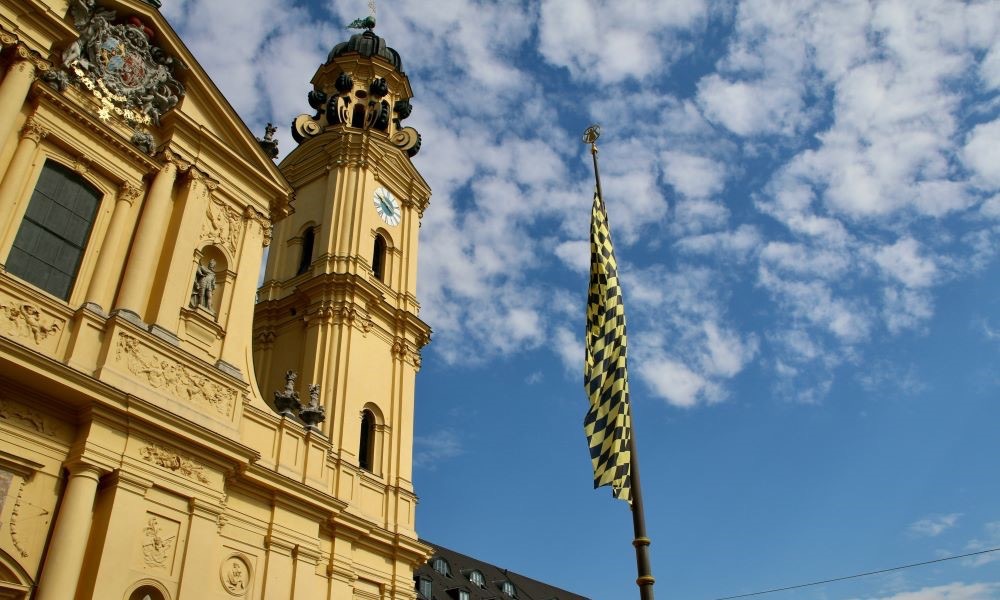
point(146, 592)
point(50, 242)
point(308, 242)
point(508, 589)
point(477, 578)
point(358, 117)
point(378, 258)
point(441, 566)
point(366, 450)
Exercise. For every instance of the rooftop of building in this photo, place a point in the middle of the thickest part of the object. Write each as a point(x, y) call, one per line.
point(495, 583)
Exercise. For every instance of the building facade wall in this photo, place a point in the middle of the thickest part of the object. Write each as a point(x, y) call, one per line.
point(137, 456)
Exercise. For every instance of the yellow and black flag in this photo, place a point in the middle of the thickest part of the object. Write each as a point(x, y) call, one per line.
point(608, 423)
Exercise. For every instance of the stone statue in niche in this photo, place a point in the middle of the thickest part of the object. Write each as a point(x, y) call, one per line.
point(204, 286)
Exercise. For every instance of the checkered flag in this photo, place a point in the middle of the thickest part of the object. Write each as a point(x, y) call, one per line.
point(608, 423)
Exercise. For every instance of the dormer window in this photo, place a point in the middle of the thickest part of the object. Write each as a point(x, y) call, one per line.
point(425, 587)
point(463, 595)
point(441, 566)
point(508, 588)
point(476, 577)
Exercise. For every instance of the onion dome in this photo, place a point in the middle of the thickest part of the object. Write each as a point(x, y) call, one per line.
point(368, 45)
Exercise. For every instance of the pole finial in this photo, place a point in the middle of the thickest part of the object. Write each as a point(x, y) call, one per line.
point(590, 136)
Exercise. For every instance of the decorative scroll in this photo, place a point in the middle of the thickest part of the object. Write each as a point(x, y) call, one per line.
point(265, 224)
point(173, 461)
point(172, 378)
point(26, 417)
point(223, 225)
point(155, 547)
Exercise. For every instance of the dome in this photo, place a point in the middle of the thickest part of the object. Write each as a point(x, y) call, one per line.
point(367, 44)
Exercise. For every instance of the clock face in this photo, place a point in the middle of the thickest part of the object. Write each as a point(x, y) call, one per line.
point(387, 206)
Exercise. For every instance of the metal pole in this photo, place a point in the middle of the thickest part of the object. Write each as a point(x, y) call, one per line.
point(641, 542)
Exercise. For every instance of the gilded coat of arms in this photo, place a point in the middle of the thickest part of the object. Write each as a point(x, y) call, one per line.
point(116, 61)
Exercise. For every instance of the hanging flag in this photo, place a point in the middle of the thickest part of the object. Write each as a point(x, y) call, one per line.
point(608, 423)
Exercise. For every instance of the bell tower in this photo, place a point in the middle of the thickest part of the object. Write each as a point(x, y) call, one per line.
point(338, 303)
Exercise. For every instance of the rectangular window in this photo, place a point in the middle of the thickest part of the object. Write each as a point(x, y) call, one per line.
point(425, 588)
point(49, 245)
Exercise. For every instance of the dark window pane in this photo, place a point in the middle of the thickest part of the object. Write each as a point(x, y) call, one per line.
point(50, 242)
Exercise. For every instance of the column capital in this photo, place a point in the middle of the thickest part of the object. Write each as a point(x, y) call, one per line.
point(33, 130)
point(252, 215)
point(170, 157)
point(129, 192)
point(80, 468)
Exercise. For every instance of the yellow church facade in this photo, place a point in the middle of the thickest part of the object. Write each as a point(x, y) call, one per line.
point(167, 430)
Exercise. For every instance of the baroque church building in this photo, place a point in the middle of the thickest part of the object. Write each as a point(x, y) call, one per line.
point(167, 430)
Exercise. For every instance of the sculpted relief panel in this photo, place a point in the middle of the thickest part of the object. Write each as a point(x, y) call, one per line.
point(26, 321)
point(174, 379)
point(168, 459)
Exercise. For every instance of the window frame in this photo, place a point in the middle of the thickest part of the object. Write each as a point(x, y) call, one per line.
point(108, 195)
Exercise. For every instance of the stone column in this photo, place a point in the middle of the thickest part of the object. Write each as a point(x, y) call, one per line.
point(192, 203)
point(12, 205)
point(143, 259)
point(70, 534)
point(13, 91)
point(240, 330)
point(102, 288)
point(200, 570)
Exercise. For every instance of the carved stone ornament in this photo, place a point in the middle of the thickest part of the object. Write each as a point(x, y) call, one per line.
point(26, 321)
point(235, 575)
point(114, 60)
point(223, 225)
point(173, 379)
point(173, 461)
point(155, 547)
point(313, 414)
point(26, 417)
point(286, 401)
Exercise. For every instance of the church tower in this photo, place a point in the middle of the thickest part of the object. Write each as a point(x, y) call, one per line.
point(338, 304)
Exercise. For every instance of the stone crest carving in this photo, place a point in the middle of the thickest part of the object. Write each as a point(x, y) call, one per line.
point(173, 379)
point(235, 574)
point(155, 547)
point(26, 321)
point(223, 225)
point(115, 61)
point(173, 461)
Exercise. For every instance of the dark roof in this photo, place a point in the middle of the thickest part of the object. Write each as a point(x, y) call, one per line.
point(367, 44)
point(445, 588)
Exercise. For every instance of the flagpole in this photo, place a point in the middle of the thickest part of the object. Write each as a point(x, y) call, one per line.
point(641, 542)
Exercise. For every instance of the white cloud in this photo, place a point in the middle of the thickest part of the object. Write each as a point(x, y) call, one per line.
point(951, 591)
point(693, 176)
point(750, 108)
point(738, 243)
point(439, 446)
point(902, 261)
point(575, 254)
point(982, 153)
point(674, 381)
point(933, 525)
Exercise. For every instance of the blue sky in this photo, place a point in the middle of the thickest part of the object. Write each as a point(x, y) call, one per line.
point(805, 200)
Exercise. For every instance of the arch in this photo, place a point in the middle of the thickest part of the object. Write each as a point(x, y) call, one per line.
point(308, 248)
point(379, 257)
point(366, 443)
point(53, 235)
point(371, 438)
point(206, 257)
point(147, 589)
point(358, 116)
point(14, 580)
